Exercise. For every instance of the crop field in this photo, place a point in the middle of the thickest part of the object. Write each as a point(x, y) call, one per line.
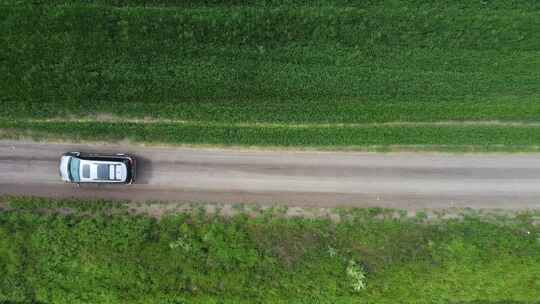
point(103, 252)
point(349, 68)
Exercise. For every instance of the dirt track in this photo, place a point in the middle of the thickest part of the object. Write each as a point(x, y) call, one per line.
point(401, 180)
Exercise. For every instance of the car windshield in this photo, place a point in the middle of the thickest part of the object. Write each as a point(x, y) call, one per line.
point(74, 165)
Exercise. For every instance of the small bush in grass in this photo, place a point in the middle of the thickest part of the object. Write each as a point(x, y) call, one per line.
point(357, 276)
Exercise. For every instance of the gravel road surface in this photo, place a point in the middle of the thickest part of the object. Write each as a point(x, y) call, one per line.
point(319, 179)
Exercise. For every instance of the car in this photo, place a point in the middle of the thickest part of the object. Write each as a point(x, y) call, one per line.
point(77, 167)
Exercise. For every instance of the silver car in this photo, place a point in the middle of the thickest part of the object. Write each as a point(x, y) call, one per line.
point(77, 167)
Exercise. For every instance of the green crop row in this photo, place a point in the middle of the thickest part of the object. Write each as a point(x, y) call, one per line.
point(424, 27)
point(464, 4)
point(115, 257)
point(375, 137)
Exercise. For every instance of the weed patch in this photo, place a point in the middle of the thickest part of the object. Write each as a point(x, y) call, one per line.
point(94, 255)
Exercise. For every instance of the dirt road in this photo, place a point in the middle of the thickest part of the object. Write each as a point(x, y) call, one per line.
point(397, 180)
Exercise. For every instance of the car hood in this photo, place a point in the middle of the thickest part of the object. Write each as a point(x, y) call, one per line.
point(64, 170)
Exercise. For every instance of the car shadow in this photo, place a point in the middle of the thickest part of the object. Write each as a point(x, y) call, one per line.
point(144, 170)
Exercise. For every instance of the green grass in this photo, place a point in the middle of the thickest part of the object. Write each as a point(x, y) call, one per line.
point(211, 63)
point(117, 257)
point(376, 138)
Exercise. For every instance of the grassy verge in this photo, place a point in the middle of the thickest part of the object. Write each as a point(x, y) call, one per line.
point(301, 62)
point(452, 137)
point(95, 255)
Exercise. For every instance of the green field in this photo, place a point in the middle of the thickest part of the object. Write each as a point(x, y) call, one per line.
point(256, 66)
point(102, 252)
